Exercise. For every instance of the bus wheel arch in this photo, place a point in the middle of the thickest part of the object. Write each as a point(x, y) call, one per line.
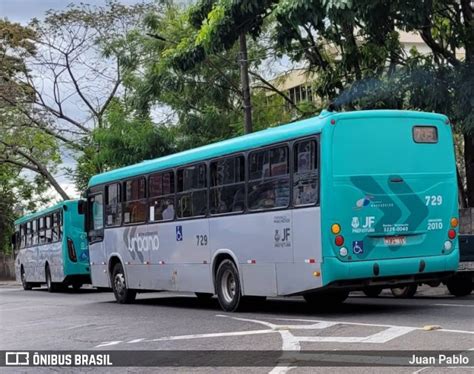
point(26, 285)
point(52, 287)
point(220, 256)
point(113, 260)
point(123, 294)
point(228, 285)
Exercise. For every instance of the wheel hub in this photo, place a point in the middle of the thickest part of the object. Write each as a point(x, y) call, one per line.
point(228, 286)
point(119, 283)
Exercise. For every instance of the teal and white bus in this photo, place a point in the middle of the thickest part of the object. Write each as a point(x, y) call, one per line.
point(319, 207)
point(52, 248)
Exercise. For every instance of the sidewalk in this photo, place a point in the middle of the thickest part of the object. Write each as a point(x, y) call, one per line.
point(9, 283)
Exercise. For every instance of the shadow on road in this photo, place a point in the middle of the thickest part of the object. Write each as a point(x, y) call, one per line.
point(295, 306)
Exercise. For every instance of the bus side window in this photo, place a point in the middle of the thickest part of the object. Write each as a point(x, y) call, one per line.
point(269, 179)
point(161, 192)
point(41, 231)
point(192, 191)
point(305, 176)
point(34, 232)
point(56, 225)
point(96, 212)
point(135, 206)
point(28, 234)
point(22, 236)
point(113, 206)
point(227, 185)
point(49, 232)
point(60, 225)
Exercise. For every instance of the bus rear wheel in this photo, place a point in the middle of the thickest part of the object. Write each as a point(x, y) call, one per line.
point(459, 285)
point(26, 285)
point(122, 293)
point(52, 287)
point(404, 292)
point(228, 288)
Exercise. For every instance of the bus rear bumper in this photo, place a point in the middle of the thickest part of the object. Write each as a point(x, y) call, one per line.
point(388, 273)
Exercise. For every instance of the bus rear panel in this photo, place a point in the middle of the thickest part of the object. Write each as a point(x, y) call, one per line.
point(391, 187)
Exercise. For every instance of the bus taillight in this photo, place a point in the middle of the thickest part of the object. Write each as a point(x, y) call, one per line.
point(452, 234)
point(71, 250)
point(339, 240)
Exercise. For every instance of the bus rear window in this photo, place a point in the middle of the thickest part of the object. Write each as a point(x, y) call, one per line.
point(425, 134)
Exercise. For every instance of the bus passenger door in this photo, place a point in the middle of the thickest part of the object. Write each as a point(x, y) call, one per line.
point(95, 228)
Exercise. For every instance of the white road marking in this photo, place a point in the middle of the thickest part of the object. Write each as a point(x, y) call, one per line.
point(373, 325)
point(213, 335)
point(292, 343)
point(420, 370)
point(457, 305)
point(108, 344)
point(456, 331)
point(136, 341)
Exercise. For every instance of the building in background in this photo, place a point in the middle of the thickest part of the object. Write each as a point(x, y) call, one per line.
point(297, 83)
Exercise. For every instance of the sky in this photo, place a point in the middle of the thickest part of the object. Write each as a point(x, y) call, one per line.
point(23, 11)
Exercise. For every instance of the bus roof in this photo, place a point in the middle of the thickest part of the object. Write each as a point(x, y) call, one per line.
point(40, 213)
point(262, 138)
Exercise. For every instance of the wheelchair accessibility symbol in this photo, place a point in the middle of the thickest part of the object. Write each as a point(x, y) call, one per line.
point(358, 247)
point(179, 233)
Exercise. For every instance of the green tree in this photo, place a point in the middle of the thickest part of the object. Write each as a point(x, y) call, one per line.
point(22, 143)
point(354, 47)
point(124, 139)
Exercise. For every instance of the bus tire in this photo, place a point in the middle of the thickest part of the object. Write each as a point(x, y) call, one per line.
point(122, 294)
point(52, 287)
point(404, 292)
point(76, 286)
point(459, 285)
point(203, 296)
point(372, 291)
point(26, 285)
point(326, 299)
point(228, 288)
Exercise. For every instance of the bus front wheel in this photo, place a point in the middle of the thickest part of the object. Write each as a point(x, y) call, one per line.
point(404, 292)
point(26, 285)
point(228, 287)
point(123, 295)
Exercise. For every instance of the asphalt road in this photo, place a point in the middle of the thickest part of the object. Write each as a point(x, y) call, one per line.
point(91, 320)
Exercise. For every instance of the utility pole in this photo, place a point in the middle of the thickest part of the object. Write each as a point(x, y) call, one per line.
point(244, 77)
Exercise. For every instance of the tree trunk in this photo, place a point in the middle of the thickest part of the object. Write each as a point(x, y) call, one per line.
point(244, 77)
point(469, 157)
point(461, 191)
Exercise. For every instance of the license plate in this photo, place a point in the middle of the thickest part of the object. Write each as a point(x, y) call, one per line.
point(395, 240)
point(466, 266)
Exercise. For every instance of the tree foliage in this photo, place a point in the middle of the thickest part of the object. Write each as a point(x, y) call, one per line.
point(123, 139)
